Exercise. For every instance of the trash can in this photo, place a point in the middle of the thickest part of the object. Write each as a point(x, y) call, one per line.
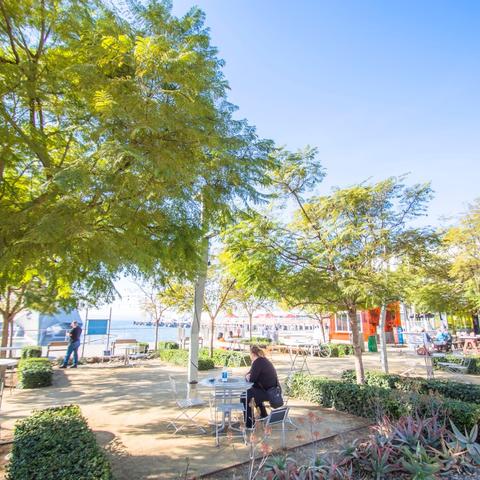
point(372, 343)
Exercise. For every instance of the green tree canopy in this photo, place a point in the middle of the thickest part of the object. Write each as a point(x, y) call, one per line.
point(333, 252)
point(118, 147)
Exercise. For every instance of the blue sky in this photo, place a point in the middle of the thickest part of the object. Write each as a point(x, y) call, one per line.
point(380, 87)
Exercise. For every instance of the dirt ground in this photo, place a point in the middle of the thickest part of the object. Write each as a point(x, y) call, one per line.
point(129, 409)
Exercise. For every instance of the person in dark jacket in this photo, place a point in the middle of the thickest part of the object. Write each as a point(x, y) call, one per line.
point(73, 345)
point(263, 376)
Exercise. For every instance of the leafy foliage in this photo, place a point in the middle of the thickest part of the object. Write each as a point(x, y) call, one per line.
point(334, 251)
point(446, 388)
point(34, 372)
point(31, 352)
point(118, 148)
point(375, 402)
point(44, 443)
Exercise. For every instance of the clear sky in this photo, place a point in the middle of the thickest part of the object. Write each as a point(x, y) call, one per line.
point(380, 87)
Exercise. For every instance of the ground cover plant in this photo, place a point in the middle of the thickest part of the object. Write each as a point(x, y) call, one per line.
point(374, 402)
point(56, 443)
point(411, 447)
point(34, 372)
point(447, 388)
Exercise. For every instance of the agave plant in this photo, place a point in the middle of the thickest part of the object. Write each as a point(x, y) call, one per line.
point(408, 431)
point(379, 461)
point(468, 441)
point(419, 464)
point(330, 468)
point(280, 468)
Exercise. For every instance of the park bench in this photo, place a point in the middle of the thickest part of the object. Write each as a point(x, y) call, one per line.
point(57, 347)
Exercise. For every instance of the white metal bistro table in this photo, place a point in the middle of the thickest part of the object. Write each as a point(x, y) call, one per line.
point(299, 351)
point(226, 399)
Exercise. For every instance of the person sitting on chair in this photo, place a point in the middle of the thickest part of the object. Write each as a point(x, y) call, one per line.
point(263, 376)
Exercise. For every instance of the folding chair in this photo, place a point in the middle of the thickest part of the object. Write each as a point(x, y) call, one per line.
point(185, 405)
point(278, 417)
point(226, 401)
point(457, 369)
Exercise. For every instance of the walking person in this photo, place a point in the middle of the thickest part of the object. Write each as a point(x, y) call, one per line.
point(263, 376)
point(73, 345)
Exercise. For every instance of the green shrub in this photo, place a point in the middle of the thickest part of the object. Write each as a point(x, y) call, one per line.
point(34, 373)
point(344, 349)
point(180, 357)
point(143, 347)
point(56, 443)
point(34, 351)
point(473, 368)
point(226, 358)
point(340, 349)
point(373, 402)
point(168, 346)
point(446, 388)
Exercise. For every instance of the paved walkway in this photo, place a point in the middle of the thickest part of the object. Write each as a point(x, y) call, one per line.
point(129, 408)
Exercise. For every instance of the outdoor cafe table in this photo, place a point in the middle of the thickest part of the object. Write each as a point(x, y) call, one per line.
point(237, 384)
point(299, 351)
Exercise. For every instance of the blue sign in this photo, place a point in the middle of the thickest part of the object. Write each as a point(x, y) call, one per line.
point(97, 327)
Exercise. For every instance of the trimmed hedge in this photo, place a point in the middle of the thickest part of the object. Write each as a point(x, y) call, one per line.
point(34, 373)
point(374, 402)
point(31, 352)
point(340, 349)
point(180, 357)
point(473, 368)
point(56, 443)
point(446, 388)
point(168, 346)
point(227, 358)
point(221, 358)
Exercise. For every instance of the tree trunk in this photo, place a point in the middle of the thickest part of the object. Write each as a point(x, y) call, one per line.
point(357, 349)
point(197, 316)
point(322, 330)
point(212, 335)
point(250, 319)
point(383, 339)
point(5, 332)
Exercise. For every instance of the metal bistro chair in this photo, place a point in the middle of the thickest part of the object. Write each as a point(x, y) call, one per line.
point(226, 401)
point(185, 405)
point(279, 416)
point(457, 369)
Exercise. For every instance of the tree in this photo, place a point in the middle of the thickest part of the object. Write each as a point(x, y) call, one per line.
point(249, 303)
point(332, 253)
point(218, 297)
point(112, 131)
point(463, 244)
point(154, 303)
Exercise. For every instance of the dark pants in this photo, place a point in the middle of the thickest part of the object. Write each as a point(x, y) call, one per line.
point(260, 396)
point(72, 348)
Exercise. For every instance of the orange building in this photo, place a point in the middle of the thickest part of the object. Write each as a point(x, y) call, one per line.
point(368, 321)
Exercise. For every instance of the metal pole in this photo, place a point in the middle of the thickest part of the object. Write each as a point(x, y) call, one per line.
point(85, 332)
point(108, 328)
